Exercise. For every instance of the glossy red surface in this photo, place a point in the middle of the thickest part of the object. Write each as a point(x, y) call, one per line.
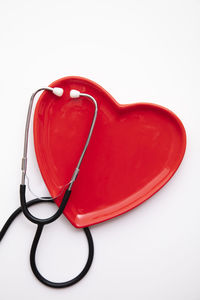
point(134, 150)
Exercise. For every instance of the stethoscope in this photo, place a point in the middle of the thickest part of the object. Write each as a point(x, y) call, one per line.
point(42, 222)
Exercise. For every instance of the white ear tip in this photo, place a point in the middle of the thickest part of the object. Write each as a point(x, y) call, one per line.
point(74, 94)
point(58, 91)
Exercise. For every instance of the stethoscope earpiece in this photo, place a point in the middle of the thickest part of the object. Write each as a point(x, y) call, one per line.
point(58, 91)
point(74, 94)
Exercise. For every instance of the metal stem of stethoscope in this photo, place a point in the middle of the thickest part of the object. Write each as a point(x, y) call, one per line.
point(76, 94)
point(28, 120)
point(58, 92)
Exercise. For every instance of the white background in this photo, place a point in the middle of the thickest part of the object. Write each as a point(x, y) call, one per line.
point(138, 51)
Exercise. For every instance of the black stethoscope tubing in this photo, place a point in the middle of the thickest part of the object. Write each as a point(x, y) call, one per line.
point(35, 242)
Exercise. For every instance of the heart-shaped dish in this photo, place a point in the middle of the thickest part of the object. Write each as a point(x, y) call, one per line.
point(134, 150)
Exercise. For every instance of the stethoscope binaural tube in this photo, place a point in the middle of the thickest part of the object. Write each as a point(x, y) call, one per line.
point(58, 92)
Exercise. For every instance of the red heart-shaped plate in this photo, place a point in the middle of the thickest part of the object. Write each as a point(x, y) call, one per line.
point(134, 150)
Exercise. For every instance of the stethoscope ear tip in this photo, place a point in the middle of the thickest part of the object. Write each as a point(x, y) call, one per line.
point(74, 94)
point(58, 91)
